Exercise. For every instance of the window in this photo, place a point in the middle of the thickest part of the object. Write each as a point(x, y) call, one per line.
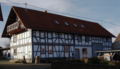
point(42, 35)
point(57, 22)
point(84, 51)
point(50, 49)
point(66, 23)
point(15, 51)
point(66, 49)
point(14, 38)
point(49, 35)
point(107, 39)
point(75, 25)
point(66, 36)
point(79, 38)
point(56, 34)
point(43, 49)
point(86, 38)
point(82, 26)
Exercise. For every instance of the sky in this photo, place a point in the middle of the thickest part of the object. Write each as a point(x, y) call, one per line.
point(104, 12)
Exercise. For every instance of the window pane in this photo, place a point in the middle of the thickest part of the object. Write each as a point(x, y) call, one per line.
point(49, 35)
point(42, 49)
point(50, 49)
point(66, 49)
point(15, 51)
point(66, 37)
point(79, 38)
point(87, 39)
point(42, 34)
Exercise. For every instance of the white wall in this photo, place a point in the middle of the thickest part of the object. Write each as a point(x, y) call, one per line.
point(23, 45)
point(22, 51)
point(22, 38)
point(89, 51)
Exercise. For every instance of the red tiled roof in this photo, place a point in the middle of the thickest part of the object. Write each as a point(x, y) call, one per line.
point(118, 38)
point(43, 20)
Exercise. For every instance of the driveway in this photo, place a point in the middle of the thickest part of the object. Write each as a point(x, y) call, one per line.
point(8, 65)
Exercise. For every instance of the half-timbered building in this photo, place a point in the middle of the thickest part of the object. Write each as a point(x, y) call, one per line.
point(36, 33)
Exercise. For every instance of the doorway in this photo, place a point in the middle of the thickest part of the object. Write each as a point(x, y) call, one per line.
point(77, 54)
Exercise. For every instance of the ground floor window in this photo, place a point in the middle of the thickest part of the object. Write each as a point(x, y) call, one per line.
point(66, 49)
point(15, 51)
point(43, 49)
point(84, 51)
point(50, 49)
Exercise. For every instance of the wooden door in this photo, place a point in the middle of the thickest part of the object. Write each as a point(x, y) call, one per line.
point(77, 54)
point(66, 51)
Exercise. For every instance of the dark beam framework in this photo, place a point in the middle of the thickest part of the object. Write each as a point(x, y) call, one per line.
point(1, 17)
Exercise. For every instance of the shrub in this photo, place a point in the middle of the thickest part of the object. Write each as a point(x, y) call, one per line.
point(76, 60)
point(104, 62)
point(101, 58)
point(94, 60)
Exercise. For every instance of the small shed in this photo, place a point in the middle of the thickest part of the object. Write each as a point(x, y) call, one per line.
point(109, 55)
point(4, 51)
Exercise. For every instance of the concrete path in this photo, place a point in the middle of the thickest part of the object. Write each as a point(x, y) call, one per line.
point(8, 65)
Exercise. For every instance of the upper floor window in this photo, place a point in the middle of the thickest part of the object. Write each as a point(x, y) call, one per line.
point(86, 38)
point(49, 35)
point(84, 51)
point(14, 38)
point(56, 34)
point(107, 39)
point(79, 38)
point(43, 49)
point(66, 36)
point(42, 35)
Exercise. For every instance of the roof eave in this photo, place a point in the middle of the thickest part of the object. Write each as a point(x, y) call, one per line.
point(70, 32)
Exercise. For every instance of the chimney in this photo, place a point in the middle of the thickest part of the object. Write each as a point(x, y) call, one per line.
point(45, 11)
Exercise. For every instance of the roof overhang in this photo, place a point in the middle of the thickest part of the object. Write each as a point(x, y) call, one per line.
point(69, 32)
point(8, 48)
point(107, 51)
point(11, 19)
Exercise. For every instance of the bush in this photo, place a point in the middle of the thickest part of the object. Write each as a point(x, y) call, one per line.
point(94, 60)
point(104, 62)
point(76, 60)
point(101, 58)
